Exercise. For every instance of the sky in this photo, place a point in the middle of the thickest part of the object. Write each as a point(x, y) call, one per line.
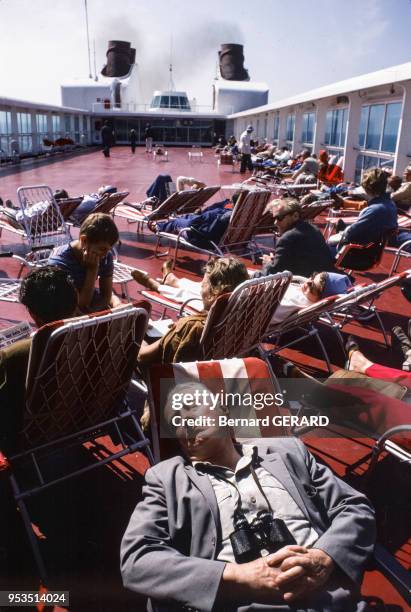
point(293, 46)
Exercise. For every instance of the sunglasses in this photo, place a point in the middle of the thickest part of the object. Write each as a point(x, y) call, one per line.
point(281, 216)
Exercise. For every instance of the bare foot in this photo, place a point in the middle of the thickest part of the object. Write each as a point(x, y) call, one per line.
point(144, 279)
point(145, 418)
point(166, 268)
point(358, 362)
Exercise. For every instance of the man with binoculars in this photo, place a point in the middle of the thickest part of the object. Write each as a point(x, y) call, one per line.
point(241, 527)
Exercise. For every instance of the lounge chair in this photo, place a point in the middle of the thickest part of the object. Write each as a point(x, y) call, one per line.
point(44, 228)
point(238, 237)
point(76, 392)
point(178, 203)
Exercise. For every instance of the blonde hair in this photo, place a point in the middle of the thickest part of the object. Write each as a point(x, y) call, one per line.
point(289, 205)
point(374, 181)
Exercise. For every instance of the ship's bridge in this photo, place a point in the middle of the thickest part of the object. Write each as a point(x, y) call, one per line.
point(173, 100)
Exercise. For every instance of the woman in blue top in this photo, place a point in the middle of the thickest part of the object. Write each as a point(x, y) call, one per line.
point(90, 258)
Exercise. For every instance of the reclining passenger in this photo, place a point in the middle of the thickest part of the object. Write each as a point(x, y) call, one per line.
point(401, 194)
point(301, 248)
point(283, 156)
point(89, 203)
point(188, 181)
point(309, 168)
point(90, 258)
point(184, 547)
point(299, 294)
point(205, 227)
point(49, 295)
point(376, 220)
point(181, 342)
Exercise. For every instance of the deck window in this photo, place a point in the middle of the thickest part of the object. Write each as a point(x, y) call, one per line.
point(276, 126)
point(364, 162)
point(336, 127)
point(289, 134)
point(25, 132)
point(5, 131)
point(308, 128)
point(56, 124)
point(379, 126)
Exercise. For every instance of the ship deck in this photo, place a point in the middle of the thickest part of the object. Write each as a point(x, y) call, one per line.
point(81, 523)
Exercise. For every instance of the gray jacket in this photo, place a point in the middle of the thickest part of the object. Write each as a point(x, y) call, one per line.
point(169, 549)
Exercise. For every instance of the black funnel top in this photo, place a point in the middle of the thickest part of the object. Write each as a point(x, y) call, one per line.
point(232, 63)
point(120, 57)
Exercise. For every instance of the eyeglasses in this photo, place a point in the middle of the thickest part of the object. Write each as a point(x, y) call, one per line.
point(281, 216)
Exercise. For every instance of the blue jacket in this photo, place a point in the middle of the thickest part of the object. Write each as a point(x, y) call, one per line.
point(373, 223)
point(207, 226)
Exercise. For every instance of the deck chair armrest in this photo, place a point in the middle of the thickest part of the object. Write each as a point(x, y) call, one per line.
point(393, 431)
point(184, 304)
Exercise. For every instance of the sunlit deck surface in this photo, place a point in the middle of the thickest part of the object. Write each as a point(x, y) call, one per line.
point(82, 522)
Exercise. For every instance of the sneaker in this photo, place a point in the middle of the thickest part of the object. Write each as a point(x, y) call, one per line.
point(406, 366)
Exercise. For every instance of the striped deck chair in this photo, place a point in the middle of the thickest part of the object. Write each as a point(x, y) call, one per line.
point(304, 321)
point(109, 201)
point(68, 206)
point(310, 211)
point(245, 376)
point(359, 304)
point(237, 322)
point(105, 204)
point(238, 237)
point(43, 229)
point(78, 377)
point(178, 203)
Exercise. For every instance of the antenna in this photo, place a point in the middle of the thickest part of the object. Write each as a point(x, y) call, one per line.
point(90, 76)
point(94, 53)
point(171, 86)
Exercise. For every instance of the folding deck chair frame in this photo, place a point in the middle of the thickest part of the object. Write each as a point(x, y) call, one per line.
point(76, 388)
point(106, 204)
point(44, 230)
point(345, 307)
point(238, 237)
point(178, 203)
point(237, 322)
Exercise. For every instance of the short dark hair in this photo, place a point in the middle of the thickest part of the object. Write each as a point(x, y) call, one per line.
point(49, 293)
point(99, 227)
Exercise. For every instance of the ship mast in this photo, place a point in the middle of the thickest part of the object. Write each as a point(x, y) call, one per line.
point(90, 76)
point(171, 86)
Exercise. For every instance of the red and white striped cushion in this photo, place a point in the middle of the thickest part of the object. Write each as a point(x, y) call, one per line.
point(224, 375)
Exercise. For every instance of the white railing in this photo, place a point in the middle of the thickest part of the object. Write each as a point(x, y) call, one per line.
point(105, 107)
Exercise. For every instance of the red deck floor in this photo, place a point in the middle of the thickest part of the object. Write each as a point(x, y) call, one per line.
point(86, 556)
